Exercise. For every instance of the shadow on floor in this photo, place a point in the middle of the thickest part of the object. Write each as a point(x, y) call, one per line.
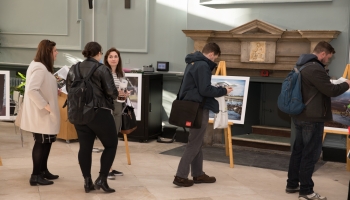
point(245, 156)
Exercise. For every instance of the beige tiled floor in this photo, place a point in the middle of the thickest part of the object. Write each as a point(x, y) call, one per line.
point(149, 176)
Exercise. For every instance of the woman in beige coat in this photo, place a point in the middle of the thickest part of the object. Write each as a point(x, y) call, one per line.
point(40, 113)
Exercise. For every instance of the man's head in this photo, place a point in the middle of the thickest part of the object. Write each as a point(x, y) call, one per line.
point(324, 52)
point(211, 51)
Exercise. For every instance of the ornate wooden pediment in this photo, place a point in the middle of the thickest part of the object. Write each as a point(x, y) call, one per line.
point(258, 45)
point(256, 27)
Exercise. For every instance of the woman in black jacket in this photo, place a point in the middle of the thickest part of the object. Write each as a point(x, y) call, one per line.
point(102, 125)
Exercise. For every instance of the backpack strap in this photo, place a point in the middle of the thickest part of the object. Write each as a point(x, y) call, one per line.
point(92, 70)
point(301, 68)
point(77, 72)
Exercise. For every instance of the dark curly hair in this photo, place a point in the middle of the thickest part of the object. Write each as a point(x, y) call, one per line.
point(91, 49)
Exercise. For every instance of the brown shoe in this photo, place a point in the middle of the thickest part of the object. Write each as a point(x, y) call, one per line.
point(183, 182)
point(204, 179)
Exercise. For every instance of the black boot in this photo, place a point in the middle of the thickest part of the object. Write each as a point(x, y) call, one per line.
point(101, 182)
point(39, 179)
point(48, 175)
point(88, 185)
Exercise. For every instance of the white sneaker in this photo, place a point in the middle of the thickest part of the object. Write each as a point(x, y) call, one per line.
point(117, 173)
point(312, 197)
point(111, 176)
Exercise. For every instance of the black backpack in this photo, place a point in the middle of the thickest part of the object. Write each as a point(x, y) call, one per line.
point(80, 100)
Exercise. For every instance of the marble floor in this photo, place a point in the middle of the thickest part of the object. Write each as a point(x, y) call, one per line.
point(149, 176)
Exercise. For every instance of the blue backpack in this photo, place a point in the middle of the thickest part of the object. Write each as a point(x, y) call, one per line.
point(290, 100)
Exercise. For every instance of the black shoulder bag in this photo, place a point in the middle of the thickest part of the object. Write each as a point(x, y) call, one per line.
point(186, 113)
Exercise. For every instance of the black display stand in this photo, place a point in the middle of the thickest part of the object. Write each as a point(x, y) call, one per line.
point(150, 125)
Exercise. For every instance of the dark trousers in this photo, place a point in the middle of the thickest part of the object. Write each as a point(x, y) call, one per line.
point(306, 152)
point(349, 192)
point(102, 126)
point(193, 155)
point(40, 155)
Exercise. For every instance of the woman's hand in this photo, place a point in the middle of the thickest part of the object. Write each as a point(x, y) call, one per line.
point(47, 107)
point(122, 93)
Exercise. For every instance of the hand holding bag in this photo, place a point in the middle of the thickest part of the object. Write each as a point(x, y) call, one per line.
point(221, 118)
point(128, 119)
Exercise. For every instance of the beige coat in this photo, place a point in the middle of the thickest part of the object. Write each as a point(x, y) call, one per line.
point(40, 90)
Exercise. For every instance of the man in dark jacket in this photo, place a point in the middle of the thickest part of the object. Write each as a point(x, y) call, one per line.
point(309, 124)
point(196, 87)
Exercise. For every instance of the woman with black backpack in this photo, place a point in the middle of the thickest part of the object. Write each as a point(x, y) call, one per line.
point(101, 124)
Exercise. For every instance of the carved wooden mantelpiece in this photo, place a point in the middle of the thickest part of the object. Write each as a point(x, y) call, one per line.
point(257, 46)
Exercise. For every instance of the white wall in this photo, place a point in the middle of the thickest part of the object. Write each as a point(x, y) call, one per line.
point(148, 32)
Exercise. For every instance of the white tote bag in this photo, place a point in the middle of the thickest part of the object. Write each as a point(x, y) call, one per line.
point(221, 118)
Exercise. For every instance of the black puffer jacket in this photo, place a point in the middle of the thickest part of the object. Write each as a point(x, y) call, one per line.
point(197, 82)
point(102, 79)
point(315, 80)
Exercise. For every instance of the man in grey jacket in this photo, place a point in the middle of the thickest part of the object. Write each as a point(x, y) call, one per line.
point(195, 87)
point(309, 124)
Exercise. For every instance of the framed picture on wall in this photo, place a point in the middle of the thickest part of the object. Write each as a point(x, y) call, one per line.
point(4, 95)
point(135, 88)
point(236, 100)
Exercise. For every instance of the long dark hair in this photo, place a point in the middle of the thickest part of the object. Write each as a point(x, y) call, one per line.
point(44, 54)
point(119, 69)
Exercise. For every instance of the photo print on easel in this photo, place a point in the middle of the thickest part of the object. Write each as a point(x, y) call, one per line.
point(237, 99)
point(135, 88)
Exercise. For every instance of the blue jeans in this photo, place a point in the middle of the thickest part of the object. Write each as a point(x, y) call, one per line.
point(306, 152)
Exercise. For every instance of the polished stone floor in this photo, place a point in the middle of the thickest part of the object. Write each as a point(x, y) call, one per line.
point(149, 176)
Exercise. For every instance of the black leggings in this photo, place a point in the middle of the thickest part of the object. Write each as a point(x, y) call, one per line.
point(102, 126)
point(40, 154)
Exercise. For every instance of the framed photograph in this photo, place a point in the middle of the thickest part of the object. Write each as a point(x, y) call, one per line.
point(340, 111)
point(236, 100)
point(135, 88)
point(4, 95)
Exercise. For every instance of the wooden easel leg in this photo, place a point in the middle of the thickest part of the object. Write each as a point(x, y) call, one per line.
point(127, 149)
point(226, 140)
point(229, 138)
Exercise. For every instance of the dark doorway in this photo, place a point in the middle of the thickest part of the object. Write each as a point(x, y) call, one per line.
point(270, 114)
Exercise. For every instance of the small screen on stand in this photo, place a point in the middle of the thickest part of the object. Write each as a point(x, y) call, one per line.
point(162, 66)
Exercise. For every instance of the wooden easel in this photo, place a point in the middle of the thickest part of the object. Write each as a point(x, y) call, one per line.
point(127, 149)
point(346, 74)
point(221, 70)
